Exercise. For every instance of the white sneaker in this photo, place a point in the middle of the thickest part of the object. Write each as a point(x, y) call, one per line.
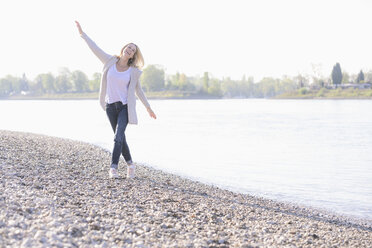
point(131, 170)
point(113, 173)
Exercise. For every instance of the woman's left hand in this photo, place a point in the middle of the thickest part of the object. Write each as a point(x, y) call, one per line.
point(151, 113)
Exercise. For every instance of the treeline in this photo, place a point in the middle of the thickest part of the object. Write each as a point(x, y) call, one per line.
point(46, 83)
point(339, 77)
point(154, 79)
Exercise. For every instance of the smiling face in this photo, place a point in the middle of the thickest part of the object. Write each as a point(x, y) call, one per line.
point(132, 53)
point(129, 50)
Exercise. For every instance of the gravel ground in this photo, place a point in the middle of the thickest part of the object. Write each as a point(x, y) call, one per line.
point(56, 192)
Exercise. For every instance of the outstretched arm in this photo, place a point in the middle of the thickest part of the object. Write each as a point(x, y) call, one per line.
point(104, 57)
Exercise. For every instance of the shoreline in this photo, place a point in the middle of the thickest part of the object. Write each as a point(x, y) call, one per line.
point(163, 99)
point(153, 97)
point(56, 191)
point(320, 98)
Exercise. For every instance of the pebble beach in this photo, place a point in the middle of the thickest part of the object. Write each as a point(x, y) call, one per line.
point(56, 192)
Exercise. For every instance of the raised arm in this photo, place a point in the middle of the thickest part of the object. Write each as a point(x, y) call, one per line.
point(104, 57)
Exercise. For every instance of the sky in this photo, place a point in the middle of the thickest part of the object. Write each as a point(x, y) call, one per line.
point(231, 38)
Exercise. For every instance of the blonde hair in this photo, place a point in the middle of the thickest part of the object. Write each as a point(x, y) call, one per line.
point(137, 59)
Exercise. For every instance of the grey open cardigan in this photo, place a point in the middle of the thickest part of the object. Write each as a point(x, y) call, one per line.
point(134, 83)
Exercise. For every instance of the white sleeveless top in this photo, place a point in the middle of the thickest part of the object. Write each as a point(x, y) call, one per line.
point(117, 85)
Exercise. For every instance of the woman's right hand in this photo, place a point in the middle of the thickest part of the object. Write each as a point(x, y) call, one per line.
point(79, 27)
point(151, 113)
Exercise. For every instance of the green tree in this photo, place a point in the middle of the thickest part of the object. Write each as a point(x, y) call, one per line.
point(5, 87)
point(45, 83)
point(174, 81)
point(94, 84)
point(79, 81)
point(168, 83)
point(230, 88)
point(345, 77)
point(302, 81)
point(214, 88)
point(317, 74)
point(63, 82)
point(360, 78)
point(268, 86)
point(24, 83)
point(182, 82)
point(14, 85)
point(336, 74)
point(205, 82)
point(287, 84)
point(246, 87)
point(17, 84)
point(36, 86)
point(153, 78)
point(368, 76)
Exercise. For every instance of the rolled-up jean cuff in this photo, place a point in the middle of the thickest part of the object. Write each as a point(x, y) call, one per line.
point(115, 166)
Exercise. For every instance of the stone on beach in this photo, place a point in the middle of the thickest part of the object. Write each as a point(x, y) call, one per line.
point(56, 193)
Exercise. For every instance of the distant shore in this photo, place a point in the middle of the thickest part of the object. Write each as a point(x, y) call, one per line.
point(56, 192)
point(303, 93)
point(323, 93)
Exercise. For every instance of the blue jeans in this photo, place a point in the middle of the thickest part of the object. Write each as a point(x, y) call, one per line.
point(118, 116)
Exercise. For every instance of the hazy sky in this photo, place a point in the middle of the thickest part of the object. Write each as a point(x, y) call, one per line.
point(226, 38)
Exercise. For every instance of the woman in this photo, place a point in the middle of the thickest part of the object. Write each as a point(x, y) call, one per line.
point(119, 82)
